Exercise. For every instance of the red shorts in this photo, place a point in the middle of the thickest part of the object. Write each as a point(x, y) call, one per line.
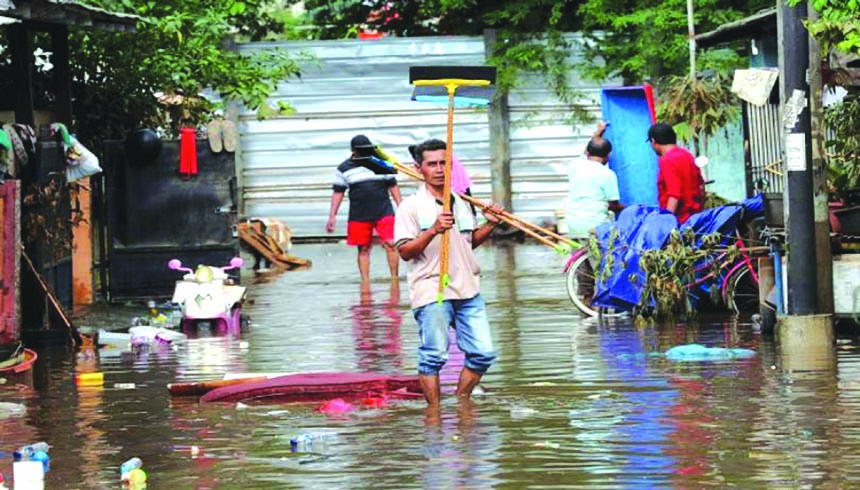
point(360, 233)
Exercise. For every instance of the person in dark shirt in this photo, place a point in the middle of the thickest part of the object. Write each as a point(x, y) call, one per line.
point(369, 208)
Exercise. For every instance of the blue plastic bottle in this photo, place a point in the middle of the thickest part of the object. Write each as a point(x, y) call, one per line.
point(43, 458)
point(301, 443)
point(131, 464)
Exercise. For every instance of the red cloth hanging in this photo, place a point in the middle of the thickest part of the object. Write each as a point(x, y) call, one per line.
point(187, 152)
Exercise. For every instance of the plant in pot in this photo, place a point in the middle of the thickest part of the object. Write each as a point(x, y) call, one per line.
point(843, 162)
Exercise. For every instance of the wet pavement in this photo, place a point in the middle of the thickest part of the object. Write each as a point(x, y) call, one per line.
point(571, 403)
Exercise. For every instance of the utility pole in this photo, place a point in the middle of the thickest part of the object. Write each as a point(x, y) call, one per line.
point(802, 277)
point(824, 256)
point(500, 136)
point(806, 338)
point(691, 32)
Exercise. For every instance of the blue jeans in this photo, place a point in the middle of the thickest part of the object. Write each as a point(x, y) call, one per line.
point(469, 319)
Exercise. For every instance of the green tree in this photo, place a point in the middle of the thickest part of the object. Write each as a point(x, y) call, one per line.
point(837, 26)
point(180, 48)
point(647, 39)
point(631, 40)
point(837, 29)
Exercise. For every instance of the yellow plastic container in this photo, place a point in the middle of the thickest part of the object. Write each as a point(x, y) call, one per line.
point(90, 379)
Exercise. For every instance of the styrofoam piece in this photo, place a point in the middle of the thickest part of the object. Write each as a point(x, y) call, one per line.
point(28, 474)
point(150, 333)
point(116, 339)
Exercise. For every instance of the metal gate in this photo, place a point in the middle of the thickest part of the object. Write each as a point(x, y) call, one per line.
point(766, 169)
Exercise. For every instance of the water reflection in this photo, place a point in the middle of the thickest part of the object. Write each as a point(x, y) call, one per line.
point(461, 448)
point(376, 330)
point(571, 403)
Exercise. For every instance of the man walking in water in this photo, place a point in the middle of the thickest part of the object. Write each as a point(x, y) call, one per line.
point(369, 208)
point(419, 225)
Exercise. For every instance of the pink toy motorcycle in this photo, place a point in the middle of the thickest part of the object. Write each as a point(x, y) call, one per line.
point(209, 295)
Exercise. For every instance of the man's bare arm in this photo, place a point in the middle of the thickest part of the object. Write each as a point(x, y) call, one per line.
point(413, 248)
point(336, 199)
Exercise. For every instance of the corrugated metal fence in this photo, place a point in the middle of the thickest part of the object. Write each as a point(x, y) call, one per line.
point(766, 168)
point(351, 86)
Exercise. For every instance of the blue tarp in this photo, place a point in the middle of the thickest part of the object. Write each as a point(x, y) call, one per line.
point(641, 228)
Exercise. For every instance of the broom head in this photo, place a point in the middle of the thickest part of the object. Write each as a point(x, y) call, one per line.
point(474, 84)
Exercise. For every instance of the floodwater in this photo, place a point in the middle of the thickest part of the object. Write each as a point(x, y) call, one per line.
point(571, 403)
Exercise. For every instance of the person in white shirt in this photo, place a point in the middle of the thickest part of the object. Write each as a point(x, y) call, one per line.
point(592, 188)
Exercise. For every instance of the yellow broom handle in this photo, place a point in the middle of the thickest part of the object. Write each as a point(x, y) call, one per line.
point(444, 259)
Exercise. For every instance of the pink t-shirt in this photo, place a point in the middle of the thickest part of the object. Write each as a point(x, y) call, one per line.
point(460, 180)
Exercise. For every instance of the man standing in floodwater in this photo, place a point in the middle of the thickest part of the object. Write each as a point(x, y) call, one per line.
point(369, 208)
point(419, 225)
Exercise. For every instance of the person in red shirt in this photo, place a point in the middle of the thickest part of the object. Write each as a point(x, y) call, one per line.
point(680, 185)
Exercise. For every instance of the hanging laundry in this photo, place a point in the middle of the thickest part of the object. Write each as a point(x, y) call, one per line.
point(187, 152)
point(18, 154)
point(27, 134)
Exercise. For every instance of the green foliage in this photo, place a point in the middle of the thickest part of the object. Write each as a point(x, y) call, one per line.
point(530, 47)
point(843, 154)
point(672, 270)
point(633, 40)
point(648, 40)
point(715, 200)
point(838, 28)
point(838, 24)
point(180, 48)
point(698, 108)
point(42, 215)
point(668, 273)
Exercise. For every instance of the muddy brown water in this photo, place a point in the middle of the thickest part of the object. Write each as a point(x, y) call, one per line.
point(571, 403)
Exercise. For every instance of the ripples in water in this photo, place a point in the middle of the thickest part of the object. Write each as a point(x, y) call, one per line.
point(572, 403)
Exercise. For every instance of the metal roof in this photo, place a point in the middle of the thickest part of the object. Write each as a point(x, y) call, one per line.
point(745, 28)
point(68, 12)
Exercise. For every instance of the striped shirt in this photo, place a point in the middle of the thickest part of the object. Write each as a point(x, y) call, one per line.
point(368, 191)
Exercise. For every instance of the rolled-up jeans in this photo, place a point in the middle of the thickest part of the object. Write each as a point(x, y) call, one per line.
point(469, 319)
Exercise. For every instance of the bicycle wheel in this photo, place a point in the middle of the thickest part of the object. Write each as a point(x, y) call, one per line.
point(741, 290)
point(581, 282)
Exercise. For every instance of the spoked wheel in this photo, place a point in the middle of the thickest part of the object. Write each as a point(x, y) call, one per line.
point(741, 291)
point(581, 281)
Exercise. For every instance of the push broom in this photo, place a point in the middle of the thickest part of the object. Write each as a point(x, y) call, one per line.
point(469, 86)
point(437, 83)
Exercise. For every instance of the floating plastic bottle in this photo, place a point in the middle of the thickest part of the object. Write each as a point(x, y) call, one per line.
point(26, 453)
point(132, 464)
point(306, 442)
point(42, 457)
point(302, 443)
